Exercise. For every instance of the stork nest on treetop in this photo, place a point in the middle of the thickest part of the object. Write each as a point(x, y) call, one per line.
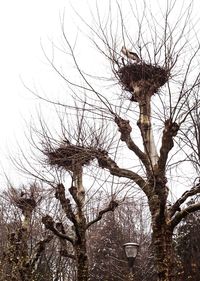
point(26, 204)
point(69, 156)
point(142, 74)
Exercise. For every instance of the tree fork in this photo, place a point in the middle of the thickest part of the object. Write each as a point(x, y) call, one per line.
point(82, 261)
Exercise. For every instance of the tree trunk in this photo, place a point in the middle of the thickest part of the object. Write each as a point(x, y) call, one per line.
point(162, 240)
point(163, 253)
point(82, 261)
point(144, 123)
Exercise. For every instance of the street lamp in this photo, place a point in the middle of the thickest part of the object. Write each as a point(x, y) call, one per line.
point(131, 250)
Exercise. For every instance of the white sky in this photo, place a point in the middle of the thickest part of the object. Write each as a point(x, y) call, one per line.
point(23, 25)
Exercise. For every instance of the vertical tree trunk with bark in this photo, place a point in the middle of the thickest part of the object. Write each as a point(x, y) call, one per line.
point(80, 243)
point(163, 252)
point(82, 260)
point(161, 242)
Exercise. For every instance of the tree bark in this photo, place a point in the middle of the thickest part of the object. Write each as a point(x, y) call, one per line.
point(163, 252)
point(82, 261)
point(162, 240)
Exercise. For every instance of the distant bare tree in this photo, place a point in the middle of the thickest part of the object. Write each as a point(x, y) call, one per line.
point(187, 247)
point(20, 259)
point(106, 254)
point(72, 159)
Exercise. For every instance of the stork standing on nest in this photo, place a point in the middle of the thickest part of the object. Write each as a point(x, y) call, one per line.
point(130, 55)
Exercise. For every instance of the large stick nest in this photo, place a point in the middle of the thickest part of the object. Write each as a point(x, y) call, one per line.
point(133, 73)
point(26, 204)
point(69, 156)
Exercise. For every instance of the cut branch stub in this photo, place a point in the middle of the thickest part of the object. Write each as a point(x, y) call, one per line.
point(170, 131)
point(113, 205)
point(145, 76)
point(124, 127)
point(65, 203)
point(68, 156)
point(105, 161)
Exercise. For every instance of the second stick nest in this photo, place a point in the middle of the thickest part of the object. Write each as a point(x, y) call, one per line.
point(133, 73)
point(68, 156)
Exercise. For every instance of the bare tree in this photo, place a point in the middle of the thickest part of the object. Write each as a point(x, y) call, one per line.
point(106, 254)
point(22, 250)
point(76, 214)
point(68, 159)
point(158, 99)
point(187, 247)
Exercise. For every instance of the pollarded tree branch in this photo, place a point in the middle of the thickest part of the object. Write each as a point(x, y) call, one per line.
point(125, 130)
point(111, 207)
point(170, 131)
point(50, 224)
point(176, 206)
point(182, 214)
point(65, 203)
point(106, 162)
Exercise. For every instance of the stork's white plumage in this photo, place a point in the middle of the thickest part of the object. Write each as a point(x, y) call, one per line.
point(129, 54)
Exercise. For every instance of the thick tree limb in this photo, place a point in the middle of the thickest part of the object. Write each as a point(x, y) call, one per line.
point(65, 203)
point(176, 206)
point(170, 131)
point(182, 214)
point(77, 196)
point(111, 207)
point(125, 130)
point(106, 162)
point(144, 94)
point(50, 224)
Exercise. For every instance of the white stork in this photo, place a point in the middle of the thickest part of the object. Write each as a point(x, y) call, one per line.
point(130, 55)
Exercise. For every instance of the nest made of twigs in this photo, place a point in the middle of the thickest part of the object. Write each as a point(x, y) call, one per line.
point(26, 204)
point(68, 156)
point(133, 73)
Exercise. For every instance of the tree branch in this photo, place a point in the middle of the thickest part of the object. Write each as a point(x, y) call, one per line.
point(176, 206)
point(182, 214)
point(170, 131)
point(125, 130)
point(49, 224)
point(65, 203)
point(111, 207)
point(106, 162)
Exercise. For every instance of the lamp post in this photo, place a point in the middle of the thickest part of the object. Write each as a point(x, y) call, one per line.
point(131, 250)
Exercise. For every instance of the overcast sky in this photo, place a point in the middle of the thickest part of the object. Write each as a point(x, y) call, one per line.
point(24, 26)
